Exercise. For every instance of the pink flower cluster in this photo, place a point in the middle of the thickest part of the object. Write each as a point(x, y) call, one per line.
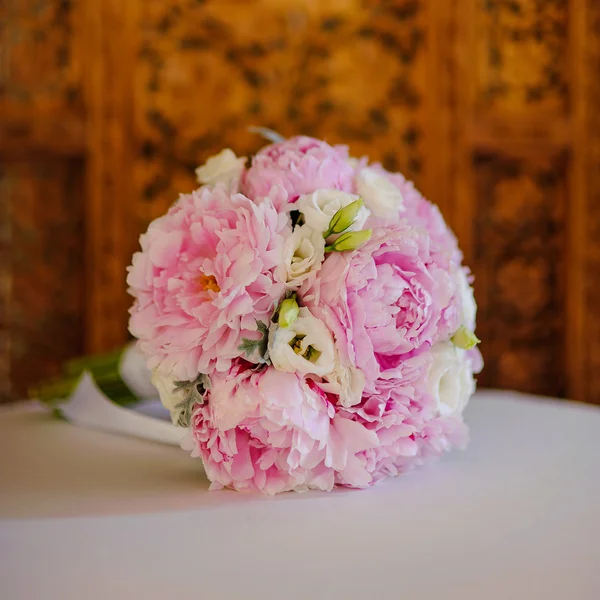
point(372, 377)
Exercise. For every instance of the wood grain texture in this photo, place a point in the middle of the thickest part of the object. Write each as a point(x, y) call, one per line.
point(109, 46)
point(347, 71)
point(590, 150)
point(518, 265)
point(520, 55)
point(489, 105)
point(40, 68)
point(41, 197)
point(510, 178)
point(42, 264)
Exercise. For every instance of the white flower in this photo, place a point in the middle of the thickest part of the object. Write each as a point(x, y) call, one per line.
point(467, 299)
point(450, 379)
point(320, 206)
point(380, 195)
point(306, 346)
point(224, 167)
point(170, 396)
point(347, 382)
point(303, 253)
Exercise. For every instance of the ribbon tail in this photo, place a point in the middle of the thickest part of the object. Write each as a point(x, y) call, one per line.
point(88, 407)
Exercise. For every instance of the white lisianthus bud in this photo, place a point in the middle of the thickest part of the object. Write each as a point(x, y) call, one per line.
point(306, 346)
point(303, 253)
point(464, 338)
point(450, 379)
point(288, 312)
point(344, 219)
point(349, 241)
point(224, 167)
point(319, 207)
point(381, 196)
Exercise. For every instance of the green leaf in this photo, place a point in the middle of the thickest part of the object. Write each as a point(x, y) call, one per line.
point(261, 346)
point(194, 393)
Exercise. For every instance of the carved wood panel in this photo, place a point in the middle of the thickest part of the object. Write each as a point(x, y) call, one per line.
point(41, 272)
point(521, 62)
point(519, 265)
point(591, 374)
point(347, 71)
point(39, 59)
point(41, 196)
point(490, 105)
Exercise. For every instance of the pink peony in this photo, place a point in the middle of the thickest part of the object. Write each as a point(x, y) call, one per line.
point(407, 424)
point(300, 165)
point(385, 302)
point(205, 274)
point(272, 431)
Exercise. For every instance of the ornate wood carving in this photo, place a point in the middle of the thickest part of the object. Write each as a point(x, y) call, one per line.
point(518, 264)
point(520, 55)
point(41, 207)
point(490, 105)
point(590, 377)
point(41, 272)
point(346, 71)
point(40, 67)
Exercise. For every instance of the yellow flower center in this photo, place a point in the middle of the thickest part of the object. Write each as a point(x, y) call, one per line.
point(208, 282)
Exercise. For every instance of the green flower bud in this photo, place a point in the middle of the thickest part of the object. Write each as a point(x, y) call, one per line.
point(343, 218)
point(464, 338)
point(288, 312)
point(349, 241)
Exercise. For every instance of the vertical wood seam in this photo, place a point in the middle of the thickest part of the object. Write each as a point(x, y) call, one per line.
point(109, 29)
point(575, 351)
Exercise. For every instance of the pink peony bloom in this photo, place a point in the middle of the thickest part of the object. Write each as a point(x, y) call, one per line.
point(410, 431)
point(272, 431)
point(300, 165)
point(385, 302)
point(205, 274)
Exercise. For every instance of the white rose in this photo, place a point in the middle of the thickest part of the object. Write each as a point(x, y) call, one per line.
point(450, 380)
point(224, 167)
point(380, 195)
point(306, 346)
point(467, 299)
point(170, 396)
point(303, 253)
point(320, 206)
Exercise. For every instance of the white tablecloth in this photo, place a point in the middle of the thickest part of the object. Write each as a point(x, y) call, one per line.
point(89, 515)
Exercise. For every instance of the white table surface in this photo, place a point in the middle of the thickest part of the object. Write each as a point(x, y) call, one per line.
point(89, 515)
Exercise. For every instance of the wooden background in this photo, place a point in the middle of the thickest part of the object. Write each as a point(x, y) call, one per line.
point(491, 106)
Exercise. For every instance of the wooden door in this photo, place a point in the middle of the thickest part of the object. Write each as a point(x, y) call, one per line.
point(487, 104)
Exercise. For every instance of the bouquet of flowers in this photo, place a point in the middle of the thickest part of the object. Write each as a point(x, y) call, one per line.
point(307, 318)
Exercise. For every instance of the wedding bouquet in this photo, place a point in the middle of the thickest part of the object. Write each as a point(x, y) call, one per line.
point(307, 318)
